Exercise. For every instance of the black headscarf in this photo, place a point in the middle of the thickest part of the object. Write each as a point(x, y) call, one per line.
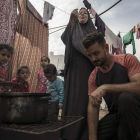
point(75, 39)
point(80, 31)
point(88, 27)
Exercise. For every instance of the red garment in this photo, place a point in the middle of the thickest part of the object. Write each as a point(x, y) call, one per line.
point(26, 86)
point(133, 30)
point(3, 76)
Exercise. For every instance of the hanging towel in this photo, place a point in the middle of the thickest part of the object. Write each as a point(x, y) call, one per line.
point(99, 24)
point(48, 11)
point(8, 20)
point(138, 31)
point(128, 39)
point(111, 37)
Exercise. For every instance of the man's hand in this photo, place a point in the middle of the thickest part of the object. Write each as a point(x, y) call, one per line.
point(97, 95)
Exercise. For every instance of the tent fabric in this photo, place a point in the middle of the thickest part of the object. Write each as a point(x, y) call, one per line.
point(31, 43)
point(8, 20)
point(31, 8)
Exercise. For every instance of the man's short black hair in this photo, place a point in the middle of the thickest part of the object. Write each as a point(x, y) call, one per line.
point(92, 38)
point(48, 59)
point(8, 47)
point(50, 69)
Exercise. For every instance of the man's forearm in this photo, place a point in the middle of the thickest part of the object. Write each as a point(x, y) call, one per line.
point(133, 87)
point(93, 117)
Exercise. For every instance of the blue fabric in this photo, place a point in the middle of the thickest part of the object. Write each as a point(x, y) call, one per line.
point(56, 88)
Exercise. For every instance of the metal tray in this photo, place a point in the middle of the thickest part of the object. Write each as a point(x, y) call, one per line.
point(52, 124)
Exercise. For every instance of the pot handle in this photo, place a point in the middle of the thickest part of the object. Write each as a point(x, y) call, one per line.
point(43, 98)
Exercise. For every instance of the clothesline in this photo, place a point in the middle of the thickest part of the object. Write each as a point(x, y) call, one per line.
point(110, 7)
point(69, 14)
point(57, 27)
point(59, 9)
point(57, 30)
point(99, 14)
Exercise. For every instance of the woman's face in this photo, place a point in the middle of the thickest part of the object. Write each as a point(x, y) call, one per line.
point(83, 16)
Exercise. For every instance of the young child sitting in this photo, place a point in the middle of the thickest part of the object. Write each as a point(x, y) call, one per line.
point(5, 54)
point(41, 77)
point(55, 86)
point(22, 75)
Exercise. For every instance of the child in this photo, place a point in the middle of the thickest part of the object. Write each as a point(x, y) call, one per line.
point(55, 86)
point(6, 52)
point(22, 75)
point(41, 77)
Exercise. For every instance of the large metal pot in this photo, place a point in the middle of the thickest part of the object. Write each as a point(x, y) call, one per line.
point(23, 108)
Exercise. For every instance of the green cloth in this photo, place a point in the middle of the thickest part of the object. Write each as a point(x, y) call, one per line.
point(128, 39)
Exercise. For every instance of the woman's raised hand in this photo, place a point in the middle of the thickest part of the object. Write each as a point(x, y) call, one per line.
point(74, 15)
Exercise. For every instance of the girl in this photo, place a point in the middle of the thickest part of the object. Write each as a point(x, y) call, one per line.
point(6, 52)
point(41, 77)
point(22, 75)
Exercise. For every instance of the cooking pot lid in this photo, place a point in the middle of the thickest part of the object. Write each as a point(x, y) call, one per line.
point(23, 94)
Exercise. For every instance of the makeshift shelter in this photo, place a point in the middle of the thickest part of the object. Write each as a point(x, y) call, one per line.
point(31, 42)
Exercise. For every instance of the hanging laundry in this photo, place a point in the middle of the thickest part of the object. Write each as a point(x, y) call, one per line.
point(133, 30)
point(119, 35)
point(92, 12)
point(138, 31)
point(48, 11)
point(119, 49)
point(99, 24)
point(87, 4)
point(111, 37)
point(8, 20)
point(115, 50)
point(119, 41)
point(128, 39)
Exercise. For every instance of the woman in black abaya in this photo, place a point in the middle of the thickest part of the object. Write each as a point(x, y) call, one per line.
point(77, 70)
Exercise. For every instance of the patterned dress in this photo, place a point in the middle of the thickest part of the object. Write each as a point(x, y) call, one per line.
point(42, 82)
point(3, 75)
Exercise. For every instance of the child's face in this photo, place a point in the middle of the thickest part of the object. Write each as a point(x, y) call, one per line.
point(51, 77)
point(23, 74)
point(4, 56)
point(44, 62)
